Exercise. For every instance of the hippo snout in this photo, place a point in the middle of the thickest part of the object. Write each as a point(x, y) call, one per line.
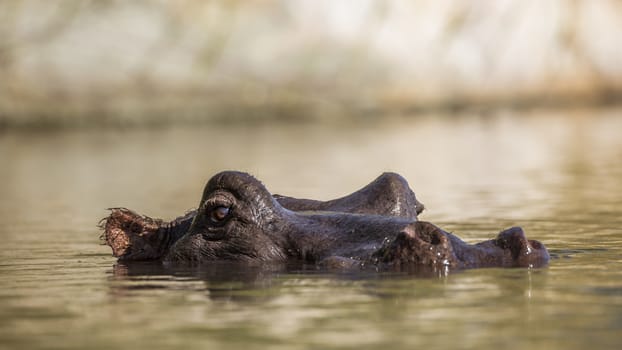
point(424, 244)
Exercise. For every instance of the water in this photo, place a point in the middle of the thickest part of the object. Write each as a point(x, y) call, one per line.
point(558, 174)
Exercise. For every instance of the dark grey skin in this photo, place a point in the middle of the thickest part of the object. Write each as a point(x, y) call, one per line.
point(239, 220)
point(135, 237)
point(388, 195)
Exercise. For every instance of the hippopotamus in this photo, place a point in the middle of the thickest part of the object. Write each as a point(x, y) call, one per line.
point(239, 220)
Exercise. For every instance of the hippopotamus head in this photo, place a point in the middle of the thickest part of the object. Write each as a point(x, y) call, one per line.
point(237, 219)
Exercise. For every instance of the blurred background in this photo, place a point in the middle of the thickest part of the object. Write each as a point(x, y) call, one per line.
point(77, 62)
point(499, 113)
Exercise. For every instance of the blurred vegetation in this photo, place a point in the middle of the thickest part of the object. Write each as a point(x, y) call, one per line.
point(70, 62)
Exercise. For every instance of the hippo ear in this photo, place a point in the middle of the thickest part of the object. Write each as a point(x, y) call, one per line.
point(132, 236)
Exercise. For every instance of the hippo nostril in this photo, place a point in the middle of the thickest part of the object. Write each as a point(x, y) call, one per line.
point(514, 240)
point(430, 234)
point(435, 240)
point(136, 227)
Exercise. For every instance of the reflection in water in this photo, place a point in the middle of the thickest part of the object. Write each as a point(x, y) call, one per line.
point(329, 309)
point(556, 174)
point(232, 281)
point(220, 280)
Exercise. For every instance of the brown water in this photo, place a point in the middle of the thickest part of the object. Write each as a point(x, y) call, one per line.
point(557, 174)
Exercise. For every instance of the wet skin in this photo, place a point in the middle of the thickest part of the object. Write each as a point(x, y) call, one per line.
point(136, 237)
point(239, 220)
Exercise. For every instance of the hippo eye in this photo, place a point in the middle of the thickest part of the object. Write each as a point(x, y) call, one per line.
point(218, 214)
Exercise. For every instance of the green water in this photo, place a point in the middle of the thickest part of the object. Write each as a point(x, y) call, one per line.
point(558, 174)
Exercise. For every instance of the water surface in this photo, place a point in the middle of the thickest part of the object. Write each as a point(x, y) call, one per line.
point(557, 174)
